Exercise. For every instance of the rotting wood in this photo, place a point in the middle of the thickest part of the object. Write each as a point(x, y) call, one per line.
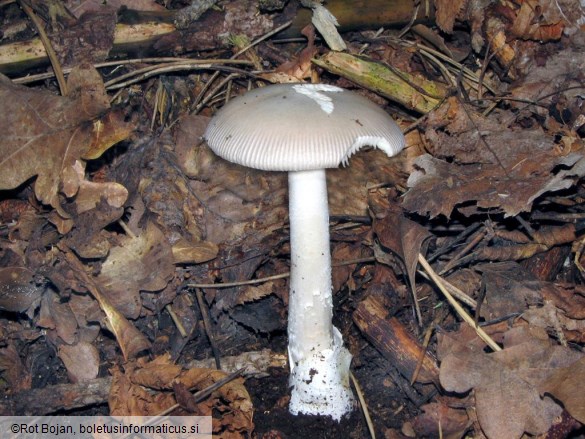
point(412, 91)
point(25, 55)
point(393, 341)
point(355, 15)
point(152, 34)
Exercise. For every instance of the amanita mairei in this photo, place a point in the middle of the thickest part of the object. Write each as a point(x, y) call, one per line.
point(304, 129)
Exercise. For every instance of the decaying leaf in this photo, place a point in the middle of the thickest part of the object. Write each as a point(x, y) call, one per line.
point(12, 371)
point(568, 298)
point(82, 361)
point(185, 252)
point(567, 384)
point(44, 134)
point(488, 164)
point(143, 263)
point(131, 341)
point(87, 234)
point(18, 291)
point(438, 418)
point(506, 383)
point(300, 68)
point(437, 187)
point(508, 289)
point(402, 236)
point(447, 12)
point(57, 318)
point(540, 20)
point(87, 193)
point(553, 319)
point(142, 390)
point(253, 293)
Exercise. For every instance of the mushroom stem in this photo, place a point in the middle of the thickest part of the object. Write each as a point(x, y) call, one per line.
point(319, 362)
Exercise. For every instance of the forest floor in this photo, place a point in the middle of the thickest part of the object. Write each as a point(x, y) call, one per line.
point(134, 261)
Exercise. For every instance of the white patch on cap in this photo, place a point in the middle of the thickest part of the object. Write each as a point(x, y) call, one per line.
point(313, 92)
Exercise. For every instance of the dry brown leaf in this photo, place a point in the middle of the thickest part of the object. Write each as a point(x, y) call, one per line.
point(569, 298)
point(447, 12)
point(551, 318)
point(506, 383)
point(88, 238)
point(82, 361)
point(143, 263)
point(553, 82)
point(136, 391)
point(509, 289)
point(58, 318)
point(490, 163)
point(438, 418)
point(131, 341)
point(88, 194)
point(300, 68)
point(44, 134)
point(567, 384)
point(504, 52)
point(14, 375)
point(253, 293)
point(437, 187)
point(540, 20)
point(18, 291)
point(185, 252)
point(403, 237)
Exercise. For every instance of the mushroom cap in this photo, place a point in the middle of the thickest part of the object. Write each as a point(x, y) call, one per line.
point(299, 127)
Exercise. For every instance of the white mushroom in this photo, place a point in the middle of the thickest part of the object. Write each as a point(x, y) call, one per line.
point(304, 129)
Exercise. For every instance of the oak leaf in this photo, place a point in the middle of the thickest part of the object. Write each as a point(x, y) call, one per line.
point(44, 134)
point(506, 383)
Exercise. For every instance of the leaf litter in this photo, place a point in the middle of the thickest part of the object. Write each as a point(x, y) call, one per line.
point(116, 218)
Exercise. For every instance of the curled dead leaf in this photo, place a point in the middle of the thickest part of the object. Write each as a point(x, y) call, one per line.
point(137, 391)
point(18, 291)
point(506, 383)
point(185, 252)
point(88, 194)
point(142, 263)
point(82, 361)
point(59, 131)
point(567, 384)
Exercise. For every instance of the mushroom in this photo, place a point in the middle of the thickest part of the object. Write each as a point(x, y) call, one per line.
point(304, 129)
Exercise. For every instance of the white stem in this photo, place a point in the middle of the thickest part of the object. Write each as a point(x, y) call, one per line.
point(319, 362)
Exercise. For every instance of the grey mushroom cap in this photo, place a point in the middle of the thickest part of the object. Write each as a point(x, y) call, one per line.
point(299, 127)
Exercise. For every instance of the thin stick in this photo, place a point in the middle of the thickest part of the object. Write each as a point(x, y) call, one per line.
point(454, 291)
point(275, 277)
point(470, 246)
point(207, 324)
point(177, 321)
point(264, 37)
point(462, 313)
point(363, 405)
point(178, 67)
point(48, 47)
point(157, 60)
point(198, 100)
point(423, 352)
